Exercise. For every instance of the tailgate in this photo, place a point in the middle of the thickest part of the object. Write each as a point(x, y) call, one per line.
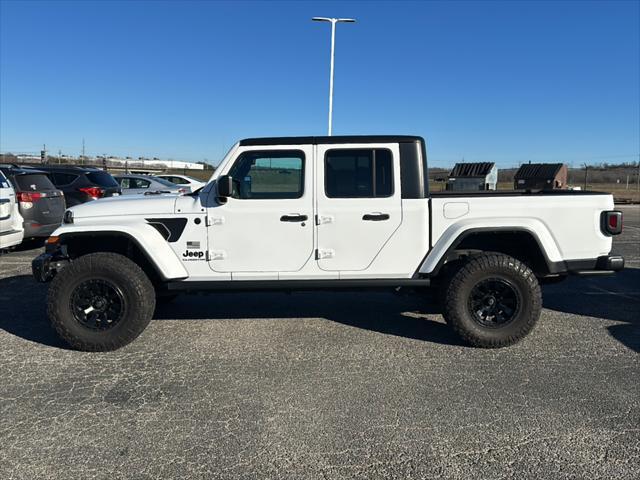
point(111, 191)
point(50, 208)
point(106, 182)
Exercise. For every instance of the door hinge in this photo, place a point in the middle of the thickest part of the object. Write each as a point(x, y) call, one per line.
point(322, 219)
point(217, 255)
point(214, 221)
point(324, 253)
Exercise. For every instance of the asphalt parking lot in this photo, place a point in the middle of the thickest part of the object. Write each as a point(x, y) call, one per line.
point(330, 385)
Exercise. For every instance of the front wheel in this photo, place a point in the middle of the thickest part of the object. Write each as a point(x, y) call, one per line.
point(100, 302)
point(492, 300)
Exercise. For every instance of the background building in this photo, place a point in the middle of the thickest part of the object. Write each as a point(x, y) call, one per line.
point(541, 176)
point(473, 176)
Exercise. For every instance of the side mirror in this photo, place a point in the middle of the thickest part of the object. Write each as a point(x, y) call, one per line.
point(225, 186)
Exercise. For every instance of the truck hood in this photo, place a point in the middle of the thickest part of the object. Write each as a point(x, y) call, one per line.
point(126, 205)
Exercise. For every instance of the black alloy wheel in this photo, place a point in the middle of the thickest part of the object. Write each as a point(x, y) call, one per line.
point(494, 302)
point(97, 304)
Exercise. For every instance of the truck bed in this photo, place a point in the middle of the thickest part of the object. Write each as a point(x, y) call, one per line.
point(566, 223)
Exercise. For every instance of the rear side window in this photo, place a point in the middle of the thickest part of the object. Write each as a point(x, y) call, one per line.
point(60, 178)
point(176, 180)
point(365, 173)
point(34, 182)
point(102, 179)
point(270, 174)
point(164, 182)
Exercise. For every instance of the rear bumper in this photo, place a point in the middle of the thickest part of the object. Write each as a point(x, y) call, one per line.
point(11, 238)
point(604, 265)
point(38, 230)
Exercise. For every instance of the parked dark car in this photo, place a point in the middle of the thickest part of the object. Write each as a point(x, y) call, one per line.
point(81, 184)
point(40, 203)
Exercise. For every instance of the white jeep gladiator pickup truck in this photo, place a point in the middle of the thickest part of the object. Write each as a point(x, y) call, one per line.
point(307, 213)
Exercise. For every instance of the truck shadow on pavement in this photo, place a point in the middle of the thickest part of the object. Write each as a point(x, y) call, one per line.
point(617, 298)
point(383, 312)
point(23, 311)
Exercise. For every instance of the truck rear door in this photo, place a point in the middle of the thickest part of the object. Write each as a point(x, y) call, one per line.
point(358, 203)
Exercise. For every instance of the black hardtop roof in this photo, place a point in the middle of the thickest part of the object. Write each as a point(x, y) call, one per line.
point(474, 169)
point(331, 140)
point(538, 170)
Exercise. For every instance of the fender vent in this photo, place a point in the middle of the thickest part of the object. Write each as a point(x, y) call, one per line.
point(170, 228)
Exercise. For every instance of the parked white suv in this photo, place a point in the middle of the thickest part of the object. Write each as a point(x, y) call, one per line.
point(300, 213)
point(11, 229)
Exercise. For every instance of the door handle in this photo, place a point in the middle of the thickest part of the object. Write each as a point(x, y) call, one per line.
point(293, 218)
point(375, 217)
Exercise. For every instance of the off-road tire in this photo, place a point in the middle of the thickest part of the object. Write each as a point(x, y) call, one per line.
point(136, 290)
point(492, 267)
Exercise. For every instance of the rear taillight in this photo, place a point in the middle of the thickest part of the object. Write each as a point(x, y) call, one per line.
point(612, 222)
point(29, 196)
point(183, 190)
point(93, 192)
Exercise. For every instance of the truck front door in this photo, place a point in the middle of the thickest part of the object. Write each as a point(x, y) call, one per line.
point(358, 203)
point(266, 227)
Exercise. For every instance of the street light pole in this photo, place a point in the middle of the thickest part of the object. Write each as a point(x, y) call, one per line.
point(333, 22)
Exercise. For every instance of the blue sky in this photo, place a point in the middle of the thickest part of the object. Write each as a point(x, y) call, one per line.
point(487, 81)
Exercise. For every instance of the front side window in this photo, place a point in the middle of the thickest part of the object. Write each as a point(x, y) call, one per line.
point(270, 174)
point(128, 182)
point(140, 183)
point(60, 178)
point(361, 173)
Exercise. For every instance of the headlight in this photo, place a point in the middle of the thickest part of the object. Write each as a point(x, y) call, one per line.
point(68, 217)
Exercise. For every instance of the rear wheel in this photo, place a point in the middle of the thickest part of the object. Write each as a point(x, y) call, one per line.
point(492, 300)
point(100, 302)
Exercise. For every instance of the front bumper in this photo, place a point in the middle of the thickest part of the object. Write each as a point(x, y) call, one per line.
point(45, 266)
